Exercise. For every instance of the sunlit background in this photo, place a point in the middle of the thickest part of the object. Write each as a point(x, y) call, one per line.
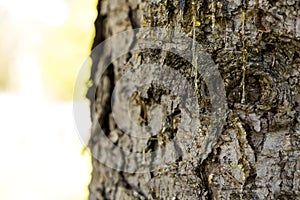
point(43, 44)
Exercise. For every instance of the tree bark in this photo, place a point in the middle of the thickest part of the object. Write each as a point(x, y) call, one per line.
point(256, 46)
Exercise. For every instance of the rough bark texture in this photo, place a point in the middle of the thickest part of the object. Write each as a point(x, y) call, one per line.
point(256, 44)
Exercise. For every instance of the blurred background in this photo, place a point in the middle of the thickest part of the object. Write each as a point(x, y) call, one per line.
point(43, 45)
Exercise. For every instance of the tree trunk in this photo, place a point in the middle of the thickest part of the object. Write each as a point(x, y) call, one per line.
point(255, 45)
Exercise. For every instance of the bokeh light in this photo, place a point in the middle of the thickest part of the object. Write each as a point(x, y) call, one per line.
point(43, 45)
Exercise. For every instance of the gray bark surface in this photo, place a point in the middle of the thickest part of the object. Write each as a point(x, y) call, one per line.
point(256, 46)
